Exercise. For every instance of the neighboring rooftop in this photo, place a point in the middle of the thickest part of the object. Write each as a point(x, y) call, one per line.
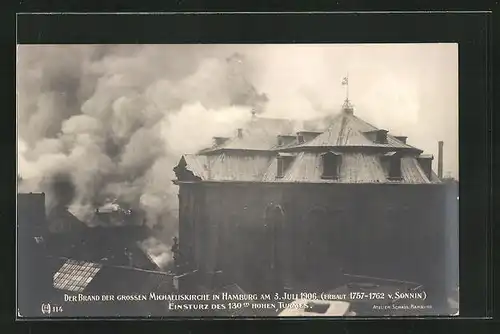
point(64, 235)
point(89, 278)
point(82, 276)
point(75, 276)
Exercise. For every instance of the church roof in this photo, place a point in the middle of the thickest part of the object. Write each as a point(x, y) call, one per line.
point(349, 130)
point(355, 168)
point(228, 167)
point(253, 153)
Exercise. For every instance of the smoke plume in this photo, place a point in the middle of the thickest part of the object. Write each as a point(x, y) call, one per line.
point(110, 122)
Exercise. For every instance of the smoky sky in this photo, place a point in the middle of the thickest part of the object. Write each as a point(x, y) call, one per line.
point(116, 118)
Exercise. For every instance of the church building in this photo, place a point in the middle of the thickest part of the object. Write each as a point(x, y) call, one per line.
point(276, 209)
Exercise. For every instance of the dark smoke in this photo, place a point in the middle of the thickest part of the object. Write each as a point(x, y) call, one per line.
point(100, 123)
point(116, 118)
point(62, 188)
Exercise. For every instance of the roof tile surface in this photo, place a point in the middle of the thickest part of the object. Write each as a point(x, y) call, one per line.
point(253, 155)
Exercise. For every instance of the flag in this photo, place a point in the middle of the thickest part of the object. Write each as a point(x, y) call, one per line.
point(345, 81)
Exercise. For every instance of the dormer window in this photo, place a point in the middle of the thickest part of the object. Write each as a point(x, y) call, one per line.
point(395, 169)
point(285, 140)
point(381, 137)
point(284, 161)
point(377, 136)
point(331, 165)
point(394, 166)
point(425, 162)
point(308, 135)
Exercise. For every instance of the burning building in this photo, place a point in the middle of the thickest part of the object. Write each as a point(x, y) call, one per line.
point(59, 254)
point(112, 213)
point(273, 209)
point(112, 235)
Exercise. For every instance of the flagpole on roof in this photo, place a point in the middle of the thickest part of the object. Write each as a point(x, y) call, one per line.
point(345, 82)
point(347, 88)
point(347, 105)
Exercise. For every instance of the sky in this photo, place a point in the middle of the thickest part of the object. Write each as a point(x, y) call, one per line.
point(117, 118)
point(408, 89)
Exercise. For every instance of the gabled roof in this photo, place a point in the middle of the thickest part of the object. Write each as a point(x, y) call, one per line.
point(350, 131)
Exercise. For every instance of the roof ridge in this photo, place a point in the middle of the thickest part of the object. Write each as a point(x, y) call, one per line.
point(366, 123)
point(270, 118)
point(349, 130)
point(333, 120)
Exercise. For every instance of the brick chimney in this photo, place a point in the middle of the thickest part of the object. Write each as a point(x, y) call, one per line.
point(240, 133)
point(440, 159)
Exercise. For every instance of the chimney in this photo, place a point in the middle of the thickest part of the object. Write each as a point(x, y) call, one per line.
point(300, 139)
point(308, 135)
point(440, 159)
point(240, 133)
